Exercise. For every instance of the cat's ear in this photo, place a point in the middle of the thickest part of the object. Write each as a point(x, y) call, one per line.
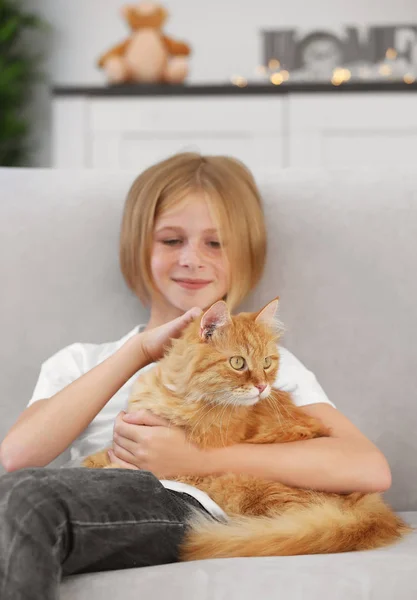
point(269, 314)
point(216, 316)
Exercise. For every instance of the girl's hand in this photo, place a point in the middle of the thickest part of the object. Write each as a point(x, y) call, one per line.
point(142, 440)
point(155, 341)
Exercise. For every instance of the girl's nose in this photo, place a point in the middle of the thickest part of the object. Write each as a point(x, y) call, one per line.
point(190, 257)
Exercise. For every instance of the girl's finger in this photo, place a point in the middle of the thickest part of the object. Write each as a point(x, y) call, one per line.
point(129, 446)
point(180, 322)
point(118, 461)
point(131, 431)
point(145, 417)
point(191, 314)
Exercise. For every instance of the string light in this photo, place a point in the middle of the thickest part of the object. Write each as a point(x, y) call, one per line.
point(276, 78)
point(391, 54)
point(340, 76)
point(274, 64)
point(239, 81)
point(409, 78)
point(385, 70)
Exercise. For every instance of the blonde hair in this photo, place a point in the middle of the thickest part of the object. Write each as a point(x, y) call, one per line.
point(235, 203)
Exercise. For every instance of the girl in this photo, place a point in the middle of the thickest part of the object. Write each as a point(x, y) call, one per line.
point(193, 232)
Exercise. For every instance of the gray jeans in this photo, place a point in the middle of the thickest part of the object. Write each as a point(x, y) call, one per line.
point(57, 522)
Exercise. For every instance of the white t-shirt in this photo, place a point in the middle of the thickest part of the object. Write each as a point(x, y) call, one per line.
point(71, 362)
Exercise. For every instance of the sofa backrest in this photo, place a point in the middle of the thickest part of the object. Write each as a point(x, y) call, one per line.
point(342, 256)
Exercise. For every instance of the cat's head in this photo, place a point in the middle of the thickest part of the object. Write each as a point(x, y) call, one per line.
point(226, 359)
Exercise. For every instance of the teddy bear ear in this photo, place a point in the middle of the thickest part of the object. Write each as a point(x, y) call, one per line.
point(125, 10)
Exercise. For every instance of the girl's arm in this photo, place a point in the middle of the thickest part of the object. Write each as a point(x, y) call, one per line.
point(345, 462)
point(46, 428)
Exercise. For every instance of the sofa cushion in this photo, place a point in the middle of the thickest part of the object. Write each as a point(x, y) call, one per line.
point(383, 574)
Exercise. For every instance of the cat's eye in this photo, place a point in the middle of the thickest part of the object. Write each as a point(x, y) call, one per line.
point(267, 362)
point(238, 363)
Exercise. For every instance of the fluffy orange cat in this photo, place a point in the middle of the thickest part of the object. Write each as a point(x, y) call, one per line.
point(216, 383)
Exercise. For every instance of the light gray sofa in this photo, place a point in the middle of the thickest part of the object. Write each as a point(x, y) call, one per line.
point(343, 258)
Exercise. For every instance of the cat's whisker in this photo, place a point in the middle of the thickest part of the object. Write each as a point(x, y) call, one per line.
point(230, 417)
point(234, 399)
point(282, 406)
point(204, 406)
point(212, 423)
point(278, 412)
point(272, 402)
point(213, 420)
point(221, 422)
point(275, 410)
point(223, 391)
point(279, 408)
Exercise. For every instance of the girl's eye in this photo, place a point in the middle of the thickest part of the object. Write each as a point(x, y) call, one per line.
point(238, 363)
point(267, 362)
point(214, 244)
point(171, 242)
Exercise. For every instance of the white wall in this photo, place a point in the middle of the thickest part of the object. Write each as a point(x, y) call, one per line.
point(224, 35)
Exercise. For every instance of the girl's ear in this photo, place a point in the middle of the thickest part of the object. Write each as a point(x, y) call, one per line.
point(268, 314)
point(216, 316)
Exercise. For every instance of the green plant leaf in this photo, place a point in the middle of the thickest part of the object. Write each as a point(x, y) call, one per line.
point(19, 69)
point(9, 29)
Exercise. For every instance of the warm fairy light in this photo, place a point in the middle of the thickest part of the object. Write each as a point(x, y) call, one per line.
point(239, 81)
point(274, 64)
point(385, 70)
point(276, 78)
point(340, 76)
point(261, 69)
point(391, 54)
point(285, 75)
point(409, 78)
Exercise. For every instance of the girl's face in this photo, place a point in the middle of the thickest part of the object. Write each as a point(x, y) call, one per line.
point(187, 263)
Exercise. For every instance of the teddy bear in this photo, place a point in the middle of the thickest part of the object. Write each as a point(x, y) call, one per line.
point(147, 55)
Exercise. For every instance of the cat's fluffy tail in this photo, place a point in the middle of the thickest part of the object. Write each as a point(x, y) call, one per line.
point(325, 527)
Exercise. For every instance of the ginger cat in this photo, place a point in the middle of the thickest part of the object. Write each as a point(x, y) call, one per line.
point(216, 383)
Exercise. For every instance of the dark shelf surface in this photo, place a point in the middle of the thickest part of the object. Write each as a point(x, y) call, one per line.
point(230, 89)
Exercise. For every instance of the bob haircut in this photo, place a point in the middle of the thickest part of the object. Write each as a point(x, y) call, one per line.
point(235, 205)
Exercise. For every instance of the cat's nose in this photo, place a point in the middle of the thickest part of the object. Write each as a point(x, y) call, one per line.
point(261, 387)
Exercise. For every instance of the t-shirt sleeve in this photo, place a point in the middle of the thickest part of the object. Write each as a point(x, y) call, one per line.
point(58, 371)
point(295, 378)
